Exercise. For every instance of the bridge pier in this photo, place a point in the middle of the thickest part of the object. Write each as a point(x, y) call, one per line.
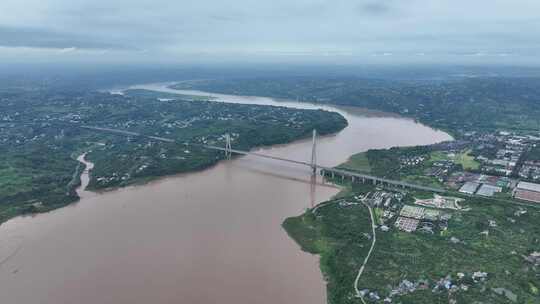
point(314, 152)
point(228, 148)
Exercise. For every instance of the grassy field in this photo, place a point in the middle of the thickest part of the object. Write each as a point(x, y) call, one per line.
point(359, 162)
point(464, 158)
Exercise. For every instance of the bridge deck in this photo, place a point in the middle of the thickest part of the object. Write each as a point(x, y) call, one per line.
point(326, 169)
point(381, 179)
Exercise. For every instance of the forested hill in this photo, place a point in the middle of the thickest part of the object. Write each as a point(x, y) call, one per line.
point(454, 104)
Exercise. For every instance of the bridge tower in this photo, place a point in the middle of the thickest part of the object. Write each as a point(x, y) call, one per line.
point(314, 152)
point(228, 148)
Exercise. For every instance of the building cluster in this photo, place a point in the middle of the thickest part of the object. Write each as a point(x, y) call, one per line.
point(488, 186)
point(460, 282)
point(502, 162)
point(499, 152)
point(527, 191)
point(414, 218)
point(530, 169)
point(481, 188)
point(505, 153)
point(533, 258)
point(412, 161)
point(441, 202)
point(425, 217)
point(440, 170)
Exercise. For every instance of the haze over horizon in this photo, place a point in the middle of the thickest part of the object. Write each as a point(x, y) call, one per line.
point(321, 31)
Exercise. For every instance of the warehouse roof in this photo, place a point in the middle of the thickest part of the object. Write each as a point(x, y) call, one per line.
point(469, 187)
point(529, 186)
point(488, 190)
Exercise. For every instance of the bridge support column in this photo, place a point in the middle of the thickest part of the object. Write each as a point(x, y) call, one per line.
point(314, 152)
point(228, 148)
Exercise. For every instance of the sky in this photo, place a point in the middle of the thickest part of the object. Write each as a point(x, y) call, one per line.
point(326, 31)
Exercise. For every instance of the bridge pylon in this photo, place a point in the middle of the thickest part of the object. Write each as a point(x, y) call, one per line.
point(314, 152)
point(228, 148)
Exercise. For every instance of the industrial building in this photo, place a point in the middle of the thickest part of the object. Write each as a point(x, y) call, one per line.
point(407, 224)
point(488, 190)
point(469, 187)
point(527, 191)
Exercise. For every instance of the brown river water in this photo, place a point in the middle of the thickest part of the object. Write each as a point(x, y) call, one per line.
point(213, 236)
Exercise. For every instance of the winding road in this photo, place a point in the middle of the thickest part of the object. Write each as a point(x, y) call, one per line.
point(361, 270)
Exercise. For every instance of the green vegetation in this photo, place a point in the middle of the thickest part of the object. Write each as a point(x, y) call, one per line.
point(41, 136)
point(493, 236)
point(337, 236)
point(409, 163)
point(401, 163)
point(337, 233)
point(465, 159)
point(534, 154)
point(453, 104)
point(358, 162)
point(33, 181)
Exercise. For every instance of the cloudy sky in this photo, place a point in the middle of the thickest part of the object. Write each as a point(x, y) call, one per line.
point(505, 31)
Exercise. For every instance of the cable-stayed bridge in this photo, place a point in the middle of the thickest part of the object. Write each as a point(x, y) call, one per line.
point(326, 171)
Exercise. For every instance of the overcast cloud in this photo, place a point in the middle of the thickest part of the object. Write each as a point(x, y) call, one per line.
point(326, 30)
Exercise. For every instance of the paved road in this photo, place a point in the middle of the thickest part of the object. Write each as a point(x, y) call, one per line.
point(361, 270)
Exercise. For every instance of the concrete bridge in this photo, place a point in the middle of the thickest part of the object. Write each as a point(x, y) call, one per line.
point(363, 178)
point(354, 177)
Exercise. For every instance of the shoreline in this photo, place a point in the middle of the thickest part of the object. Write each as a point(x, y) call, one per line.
point(233, 212)
point(82, 182)
point(85, 175)
point(369, 112)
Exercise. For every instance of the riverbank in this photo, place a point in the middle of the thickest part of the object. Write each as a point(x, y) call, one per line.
point(219, 227)
point(84, 177)
point(465, 254)
point(36, 165)
point(454, 104)
point(329, 233)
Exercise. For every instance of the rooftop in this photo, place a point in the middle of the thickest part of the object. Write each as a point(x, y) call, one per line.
point(469, 187)
point(488, 190)
point(527, 195)
point(412, 212)
point(529, 186)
